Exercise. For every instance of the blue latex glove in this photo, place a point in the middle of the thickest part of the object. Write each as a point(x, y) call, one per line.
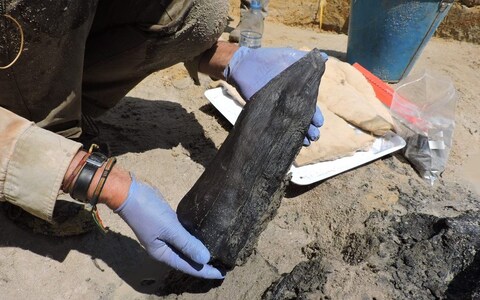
point(157, 228)
point(251, 69)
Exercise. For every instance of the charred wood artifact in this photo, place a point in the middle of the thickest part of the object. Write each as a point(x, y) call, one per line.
point(241, 189)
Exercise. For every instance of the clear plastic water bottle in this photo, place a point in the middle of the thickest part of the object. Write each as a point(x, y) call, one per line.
point(252, 29)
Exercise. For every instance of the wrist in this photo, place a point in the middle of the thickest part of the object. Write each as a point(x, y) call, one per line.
point(72, 171)
point(115, 190)
point(235, 60)
point(216, 59)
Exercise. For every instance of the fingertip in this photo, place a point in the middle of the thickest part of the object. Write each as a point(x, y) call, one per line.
point(189, 245)
point(313, 133)
point(213, 273)
point(202, 256)
point(306, 142)
point(317, 119)
point(324, 55)
point(197, 251)
point(184, 264)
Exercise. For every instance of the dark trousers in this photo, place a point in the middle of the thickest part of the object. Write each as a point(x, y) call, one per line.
point(83, 56)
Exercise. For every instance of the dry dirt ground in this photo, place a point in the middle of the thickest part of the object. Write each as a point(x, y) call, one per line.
point(462, 22)
point(376, 232)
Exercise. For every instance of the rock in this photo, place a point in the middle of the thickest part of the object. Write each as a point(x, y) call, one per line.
point(240, 190)
point(470, 3)
point(306, 277)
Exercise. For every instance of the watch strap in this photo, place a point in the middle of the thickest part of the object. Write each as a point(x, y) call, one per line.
point(85, 177)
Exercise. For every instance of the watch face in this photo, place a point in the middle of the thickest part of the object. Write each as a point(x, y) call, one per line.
point(97, 159)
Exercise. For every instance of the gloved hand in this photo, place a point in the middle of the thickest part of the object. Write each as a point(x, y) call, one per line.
point(157, 228)
point(251, 69)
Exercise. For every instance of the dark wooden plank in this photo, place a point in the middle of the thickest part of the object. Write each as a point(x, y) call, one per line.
point(241, 189)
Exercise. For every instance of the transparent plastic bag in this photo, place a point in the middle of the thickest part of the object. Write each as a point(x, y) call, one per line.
point(423, 107)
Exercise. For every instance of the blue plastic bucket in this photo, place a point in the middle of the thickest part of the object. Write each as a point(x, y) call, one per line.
point(387, 36)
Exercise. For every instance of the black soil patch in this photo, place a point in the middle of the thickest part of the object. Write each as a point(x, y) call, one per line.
point(428, 257)
point(307, 277)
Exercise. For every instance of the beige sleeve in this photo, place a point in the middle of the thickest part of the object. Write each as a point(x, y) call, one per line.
point(33, 162)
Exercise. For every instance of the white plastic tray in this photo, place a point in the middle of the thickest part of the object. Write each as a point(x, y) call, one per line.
point(308, 174)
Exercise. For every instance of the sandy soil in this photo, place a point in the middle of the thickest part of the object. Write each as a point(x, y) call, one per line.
point(165, 132)
point(461, 23)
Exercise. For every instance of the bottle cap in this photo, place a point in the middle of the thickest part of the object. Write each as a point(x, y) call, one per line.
point(255, 4)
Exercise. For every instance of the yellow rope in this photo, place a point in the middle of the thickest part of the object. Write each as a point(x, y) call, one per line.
point(22, 41)
point(322, 4)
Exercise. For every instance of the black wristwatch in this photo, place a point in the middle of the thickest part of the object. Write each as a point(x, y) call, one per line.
point(93, 163)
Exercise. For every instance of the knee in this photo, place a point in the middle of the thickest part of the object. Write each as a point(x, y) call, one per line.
point(209, 19)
